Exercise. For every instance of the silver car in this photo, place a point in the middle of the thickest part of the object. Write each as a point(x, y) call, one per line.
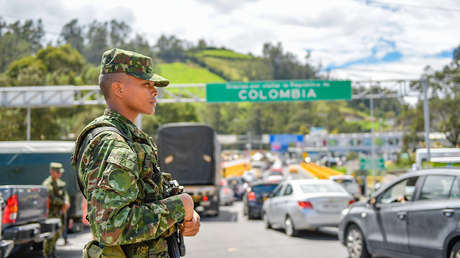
point(305, 204)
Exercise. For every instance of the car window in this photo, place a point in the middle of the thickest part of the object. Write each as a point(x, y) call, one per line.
point(277, 191)
point(437, 187)
point(322, 188)
point(264, 188)
point(288, 190)
point(455, 192)
point(401, 192)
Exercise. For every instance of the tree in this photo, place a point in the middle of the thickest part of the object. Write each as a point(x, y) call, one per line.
point(447, 111)
point(18, 40)
point(170, 48)
point(27, 71)
point(64, 58)
point(72, 33)
point(31, 31)
point(141, 45)
point(444, 90)
point(285, 65)
point(119, 32)
point(97, 37)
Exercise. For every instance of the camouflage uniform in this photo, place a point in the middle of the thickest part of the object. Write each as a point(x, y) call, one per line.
point(58, 197)
point(119, 175)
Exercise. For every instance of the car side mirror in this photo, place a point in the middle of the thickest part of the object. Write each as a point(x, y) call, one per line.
point(372, 201)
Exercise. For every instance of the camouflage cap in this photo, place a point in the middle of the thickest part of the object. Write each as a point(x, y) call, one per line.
point(122, 61)
point(57, 166)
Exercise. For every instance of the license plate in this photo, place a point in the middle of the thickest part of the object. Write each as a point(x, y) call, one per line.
point(330, 206)
point(205, 203)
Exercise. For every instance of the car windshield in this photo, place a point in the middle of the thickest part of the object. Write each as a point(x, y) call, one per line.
point(321, 188)
point(344, 181)
point(264, 188)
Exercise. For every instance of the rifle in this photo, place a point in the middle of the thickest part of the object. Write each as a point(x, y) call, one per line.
point(176, 246)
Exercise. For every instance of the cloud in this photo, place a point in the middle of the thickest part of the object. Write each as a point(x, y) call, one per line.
point(445, 54)
point(225, 6)
point(339, 34)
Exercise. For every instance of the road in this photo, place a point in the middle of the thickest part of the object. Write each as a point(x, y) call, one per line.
point(232, 235)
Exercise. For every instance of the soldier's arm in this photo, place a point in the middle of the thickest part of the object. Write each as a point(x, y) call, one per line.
point(116, 217)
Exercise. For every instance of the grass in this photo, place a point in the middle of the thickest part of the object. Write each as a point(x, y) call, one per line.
point(222, 53)
point(182, 73)
point(187, 73)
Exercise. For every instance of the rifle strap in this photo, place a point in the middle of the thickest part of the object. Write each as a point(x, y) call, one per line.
point(90, 135)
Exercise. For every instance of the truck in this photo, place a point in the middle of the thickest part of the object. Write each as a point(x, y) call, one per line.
point(24, 218)
point(439, 157)
point(191, 153)
point(27, 163)
point(5, 245)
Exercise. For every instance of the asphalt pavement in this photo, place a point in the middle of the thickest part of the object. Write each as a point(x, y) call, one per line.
point(232, 235)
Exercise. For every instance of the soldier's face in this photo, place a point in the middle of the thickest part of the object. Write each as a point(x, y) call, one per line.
point(140, 96)
point(55, 174)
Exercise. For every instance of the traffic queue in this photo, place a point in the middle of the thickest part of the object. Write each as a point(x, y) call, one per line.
point(415, 215)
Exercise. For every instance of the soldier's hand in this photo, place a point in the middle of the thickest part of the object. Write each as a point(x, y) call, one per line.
point(187, 201)
point(192, 226)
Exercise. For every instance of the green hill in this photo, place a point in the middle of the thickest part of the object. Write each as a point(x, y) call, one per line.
point(187, 73)
point(233, 66)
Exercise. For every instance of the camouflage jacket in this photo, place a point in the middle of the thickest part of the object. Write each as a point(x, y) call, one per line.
point(57, 194)
point(118, 176)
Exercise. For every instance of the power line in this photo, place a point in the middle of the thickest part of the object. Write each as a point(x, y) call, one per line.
point(418, 6)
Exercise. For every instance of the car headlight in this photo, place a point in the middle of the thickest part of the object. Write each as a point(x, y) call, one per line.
point(345, 212)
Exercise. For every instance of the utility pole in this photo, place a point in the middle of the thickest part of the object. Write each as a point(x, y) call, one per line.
point(426, 113)
point(373, 159)
point(28, 123)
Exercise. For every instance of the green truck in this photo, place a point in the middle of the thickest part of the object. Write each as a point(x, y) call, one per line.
point(27, 163)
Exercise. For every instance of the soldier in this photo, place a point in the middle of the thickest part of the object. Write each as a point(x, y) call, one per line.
point(58, 204)
point(129, 212)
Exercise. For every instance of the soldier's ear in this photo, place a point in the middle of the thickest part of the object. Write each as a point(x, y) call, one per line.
point(117, 89)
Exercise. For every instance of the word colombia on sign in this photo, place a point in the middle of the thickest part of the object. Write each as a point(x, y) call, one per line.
point(265, 91)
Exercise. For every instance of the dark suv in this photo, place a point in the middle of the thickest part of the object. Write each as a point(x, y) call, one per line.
point(417, 215)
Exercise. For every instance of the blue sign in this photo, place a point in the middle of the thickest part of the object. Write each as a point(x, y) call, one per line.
point(280, 142)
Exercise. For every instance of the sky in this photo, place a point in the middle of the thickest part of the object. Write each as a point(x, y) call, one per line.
point(348, 39)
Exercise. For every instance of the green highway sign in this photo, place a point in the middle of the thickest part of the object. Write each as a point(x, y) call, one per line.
point(266, 91)
point(366, 164)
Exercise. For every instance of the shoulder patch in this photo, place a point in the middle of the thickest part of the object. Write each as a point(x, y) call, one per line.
point(121, 180)
point(124, 158)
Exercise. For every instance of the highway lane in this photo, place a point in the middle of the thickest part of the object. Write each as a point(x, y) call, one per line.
point(233, 235)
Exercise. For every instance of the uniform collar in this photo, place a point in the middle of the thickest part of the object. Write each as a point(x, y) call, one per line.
point(125, 123)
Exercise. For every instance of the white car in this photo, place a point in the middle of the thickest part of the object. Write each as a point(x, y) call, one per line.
point(349, 183)
point(305, 204)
